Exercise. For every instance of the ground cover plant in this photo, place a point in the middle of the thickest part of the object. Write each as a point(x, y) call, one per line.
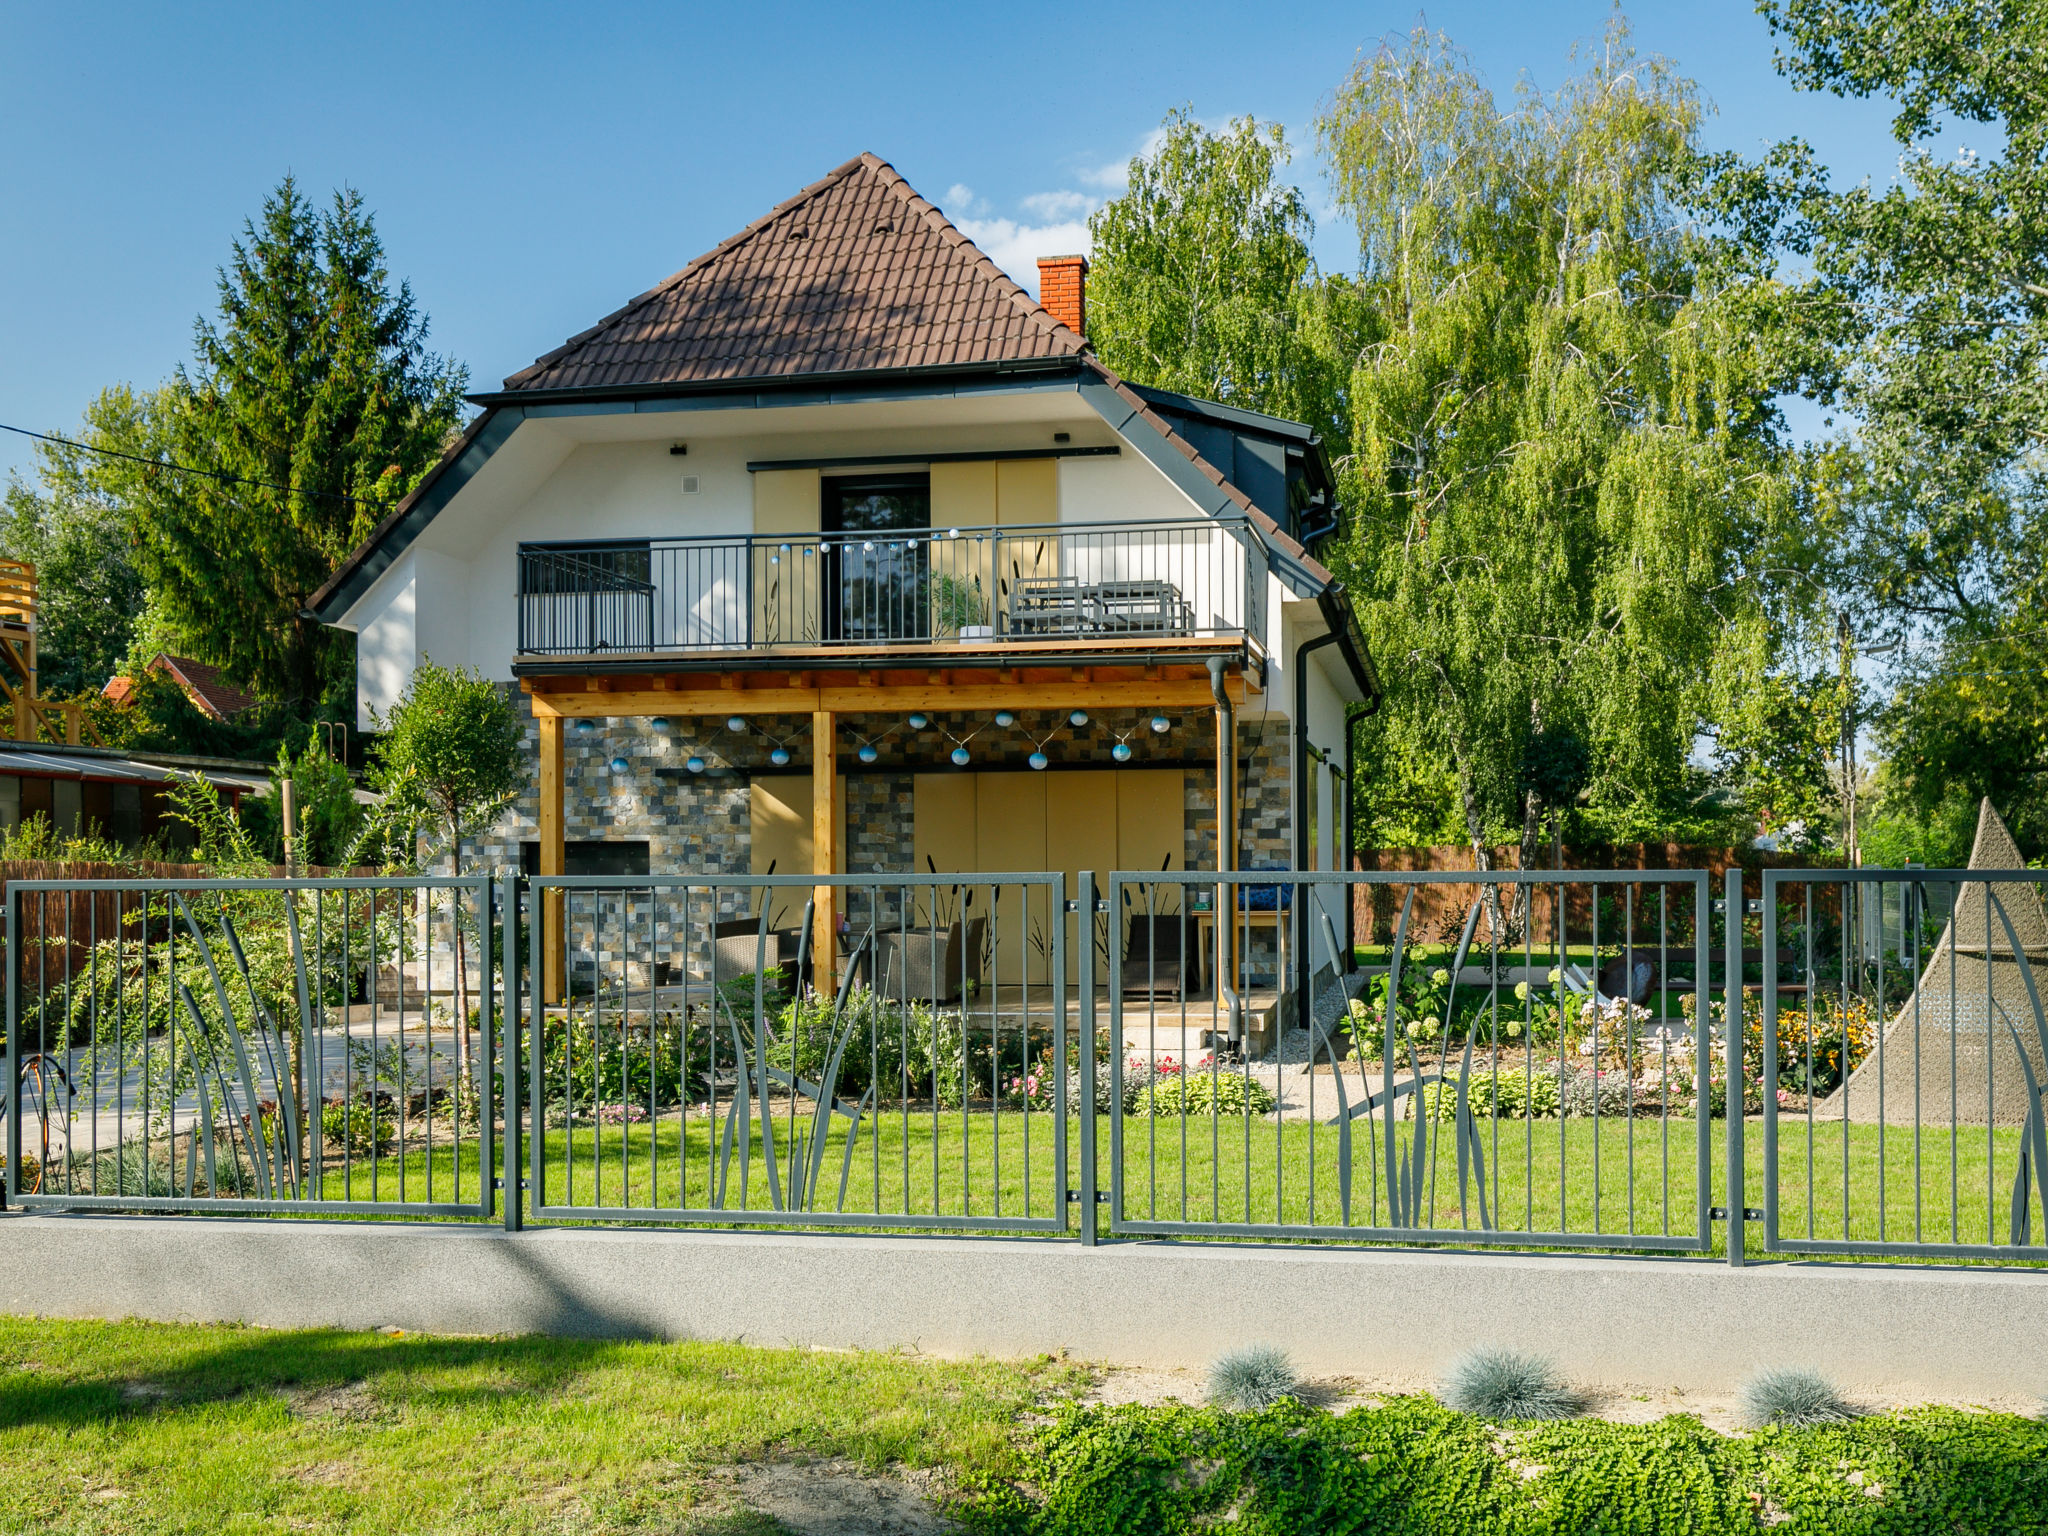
point(1410, 1465)
point(141, 1429)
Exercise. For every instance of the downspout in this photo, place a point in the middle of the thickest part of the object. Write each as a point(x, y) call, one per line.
point(1304, 968)
point(1226, 848)
point(1352, 716)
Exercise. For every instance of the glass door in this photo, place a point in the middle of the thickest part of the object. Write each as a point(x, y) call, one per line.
point(878, 528)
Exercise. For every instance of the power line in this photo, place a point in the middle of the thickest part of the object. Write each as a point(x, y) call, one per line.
point(183, 469)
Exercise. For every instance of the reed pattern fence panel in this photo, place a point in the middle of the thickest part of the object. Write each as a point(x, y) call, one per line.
point(699, 1076)
point(251, 1045)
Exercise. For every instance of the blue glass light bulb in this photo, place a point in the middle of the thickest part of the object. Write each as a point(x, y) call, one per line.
point(919, 721)
point(779, 757)
point(1078, 717)
point(1161, 725)
point(620, 765)
point(867, 753)
point(1005, 719)
point(1036, 759)
point(695, 764)
point(737, 723)
point(961, 757)
point(1121, 751)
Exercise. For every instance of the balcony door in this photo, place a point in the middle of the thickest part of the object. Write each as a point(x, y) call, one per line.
point(878, 562)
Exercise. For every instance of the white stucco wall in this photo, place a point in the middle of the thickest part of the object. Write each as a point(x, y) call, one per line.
point(386, 645)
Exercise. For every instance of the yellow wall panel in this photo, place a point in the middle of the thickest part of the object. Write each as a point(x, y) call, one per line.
point(786, 501)
point(1009, 834)
point(779, 811)
point(1027, 491)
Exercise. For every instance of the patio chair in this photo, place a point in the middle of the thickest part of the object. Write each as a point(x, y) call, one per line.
point(1162, 960)
point(920, 965)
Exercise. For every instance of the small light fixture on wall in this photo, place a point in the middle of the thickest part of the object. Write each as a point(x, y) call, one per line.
point(620, 765)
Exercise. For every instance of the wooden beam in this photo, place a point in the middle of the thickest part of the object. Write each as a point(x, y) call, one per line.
point(1134, 694)
point(554, 934)
point(824, 850)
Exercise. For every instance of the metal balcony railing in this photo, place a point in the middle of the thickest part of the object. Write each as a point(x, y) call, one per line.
point(1081, 582)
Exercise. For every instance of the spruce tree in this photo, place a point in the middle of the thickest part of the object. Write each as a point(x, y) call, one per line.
point(315, 382)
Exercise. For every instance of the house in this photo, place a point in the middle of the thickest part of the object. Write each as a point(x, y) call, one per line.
point(202, 684)
point(838, 552)
point(124, 798)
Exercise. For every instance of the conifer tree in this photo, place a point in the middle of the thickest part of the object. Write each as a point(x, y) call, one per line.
point(315, 382)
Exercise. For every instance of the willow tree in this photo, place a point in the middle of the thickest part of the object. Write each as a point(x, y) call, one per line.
point(1560, 479)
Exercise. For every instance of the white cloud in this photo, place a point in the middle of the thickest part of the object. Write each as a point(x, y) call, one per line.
point(960, 199)
point(1113, 176)
point(1016, 247)
point(1059, 205)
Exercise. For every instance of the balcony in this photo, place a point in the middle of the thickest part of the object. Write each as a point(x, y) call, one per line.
point(1065, 586)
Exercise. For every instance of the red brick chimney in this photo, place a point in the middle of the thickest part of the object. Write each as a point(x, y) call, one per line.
point(1063, 289)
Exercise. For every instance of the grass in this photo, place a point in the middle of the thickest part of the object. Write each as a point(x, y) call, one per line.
point(113, 1428)
point(1622, 1179)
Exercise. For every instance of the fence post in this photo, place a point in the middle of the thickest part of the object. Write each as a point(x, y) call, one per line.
point(511, 1029)
point(1085, 915)
point(10, 1056)
point(1731, 1042)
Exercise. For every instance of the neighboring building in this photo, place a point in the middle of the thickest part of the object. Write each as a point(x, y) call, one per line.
point(121, 798)
point(843, 483)
point(202, 684)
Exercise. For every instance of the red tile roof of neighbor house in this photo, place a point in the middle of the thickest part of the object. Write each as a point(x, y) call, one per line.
point(202, 685)
point(855, 273)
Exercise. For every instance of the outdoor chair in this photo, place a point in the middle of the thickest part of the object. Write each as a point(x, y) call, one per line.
point(1161, 958)
point(923, 965)
point(736, 946)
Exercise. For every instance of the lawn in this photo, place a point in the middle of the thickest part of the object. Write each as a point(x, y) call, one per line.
point(1621, 1179)
point(147, 1428)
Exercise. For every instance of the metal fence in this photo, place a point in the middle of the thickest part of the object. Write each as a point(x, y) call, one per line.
point(1899, 1051)
point(251, 1045)
point(1533, 1077)
point(1854, 1060)
point(957, 585)
point(698, 1075)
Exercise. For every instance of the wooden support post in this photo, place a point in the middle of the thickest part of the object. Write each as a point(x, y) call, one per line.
point(824, 849)
point(1228, 917)
point(554, 936)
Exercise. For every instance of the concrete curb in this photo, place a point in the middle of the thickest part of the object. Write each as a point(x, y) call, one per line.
point(1685, 1323)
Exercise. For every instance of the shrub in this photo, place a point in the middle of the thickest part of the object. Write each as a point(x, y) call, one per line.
point(358, 1127)
point(1513, 1094)
point(1202, 1093)
point(904, 1050)
point(1252, 1377)
point(1586, 1091)
point(591, 1059)
point(1793, 1396)
point(1498, 1383)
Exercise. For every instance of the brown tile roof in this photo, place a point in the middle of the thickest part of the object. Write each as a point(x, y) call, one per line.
point(204, 688)
point(854, 273)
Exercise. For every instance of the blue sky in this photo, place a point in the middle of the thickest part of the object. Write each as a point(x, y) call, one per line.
point(533, 166)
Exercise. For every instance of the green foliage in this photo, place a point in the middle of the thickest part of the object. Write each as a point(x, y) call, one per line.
point(1410, 1467)
point(359, 1127)
point(331, 822)
point(1560, 484)
point(594, 1060)
point(902, 1050)
point(1200, 271)
point(1199, 1091)
point(314, 377)
point(1916, 311)
point(1513, 1093)
point(453, 754)
point(75, 528)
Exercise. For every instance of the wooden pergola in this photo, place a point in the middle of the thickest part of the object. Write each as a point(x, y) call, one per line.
point(1157, 676)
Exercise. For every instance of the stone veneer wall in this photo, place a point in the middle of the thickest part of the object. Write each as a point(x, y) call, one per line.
point(700, 823)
